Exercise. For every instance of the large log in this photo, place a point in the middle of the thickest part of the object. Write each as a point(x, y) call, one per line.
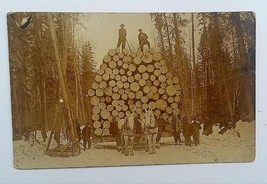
point(115, 96)
point(157, 65)
point(142, 68)
point(157, 113)
point(102, 106)
point(108, 99)
point(145, 76)
point(116, 58)
point(157, 73)
point(106, 132)
point(144, 106)
point(170, 99)
point(155, 96)
point(121, 55)
point(105, 113)
point(100, 71)
point(162, 62)
point(129, 73)
point(142, 82)
point(95, 117)
point(124, 96)
point(124, 78)
point(144, 99)
point(98, 78)
point(169, 110)
point(127, 59)
point(163, 85)
point(170, 82)
point(162, 78)
point(131, 95)
point(127, 91)
point(99, 92)
point(108, 71)
point(124, 108)
point(106, 124)
point(138, 94)
point(121, 115)
point(156, 83)
point(171, 90)
point(163, 69)
point(138, 104)
point(121, 102)
point(134, 86)
point(175, 80)
point(148, 83)
point(115, 89)
point(126, 85)
point(132, 67)
point(139, 111)
point(125, 51)
point(161, 91)
point(120, 63)
point(146, 89)
point(137, 77)
point(115, 71)
point(114, 113)
point(150, 95)
point(152, 77)
point(96, 124)
point(139, 53)
point(103, 67)
point(91, 92)
point(161, 104)
point(125, 66)
point(150, 68)
point(133, 54)
point(137, 60)
point(110, 108)
point(152, 105)
point(169, 75)
point(115, 103)
point(130, 79)
point(96, 109)
point(112, 83)
point(174, 105)
point(108, 91)
point(112, 52)
point(147, 58)
point(112, 64)
point(118, 77)
point(107, 59)
point(102, 99)
point(153, 89)
point(112, 76)
point(122, 71)
point(119, 84)
point(118, 108)
point(105, 77)
point(121, 91)
point(98, 132)
point(157, 56)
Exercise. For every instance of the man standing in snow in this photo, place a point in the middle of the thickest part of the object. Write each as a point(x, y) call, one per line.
point(187, 131)
point(176, 129)
point(122, 37)
point(143, 40)
point(86, 134)
point(160, 122)
point(114, 131)
point(195, 130)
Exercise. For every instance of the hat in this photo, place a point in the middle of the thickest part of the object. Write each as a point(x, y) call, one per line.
point(140, 30)
point(122, 25)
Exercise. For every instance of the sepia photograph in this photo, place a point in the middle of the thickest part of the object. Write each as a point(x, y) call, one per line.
point(123, 89)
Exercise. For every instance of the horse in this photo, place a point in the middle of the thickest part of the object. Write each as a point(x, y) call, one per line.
point(127, 128)
point(150, 131)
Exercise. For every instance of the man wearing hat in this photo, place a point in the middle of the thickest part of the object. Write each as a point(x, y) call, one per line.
point(86, 134)
point(122, 37)
point(142, 37)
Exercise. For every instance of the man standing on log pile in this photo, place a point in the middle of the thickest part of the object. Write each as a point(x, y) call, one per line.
point(122, 37)
point(86, 134)
point(143, 40)
point(176, 129)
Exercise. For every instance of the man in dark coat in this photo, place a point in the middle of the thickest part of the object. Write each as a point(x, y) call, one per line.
point(187, 131)
point(86, 134)
point(176, 129)
point(122, 37)
point(143, 40)
point(160, 122)
point(208, 124)
point(114, 131)
point(195, 130)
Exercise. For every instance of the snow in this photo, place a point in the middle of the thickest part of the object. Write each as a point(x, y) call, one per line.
point(215, 148)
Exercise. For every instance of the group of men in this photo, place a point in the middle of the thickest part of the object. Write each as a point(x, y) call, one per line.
point(185, 127)
point(84, 134)
point(142, 38)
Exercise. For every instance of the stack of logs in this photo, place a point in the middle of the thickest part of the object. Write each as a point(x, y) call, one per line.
point(132, 81)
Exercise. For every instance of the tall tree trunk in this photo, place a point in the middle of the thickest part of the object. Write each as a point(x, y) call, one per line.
point(62, 82)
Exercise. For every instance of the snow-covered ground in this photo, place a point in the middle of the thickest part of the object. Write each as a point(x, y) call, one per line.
point(214, 148)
